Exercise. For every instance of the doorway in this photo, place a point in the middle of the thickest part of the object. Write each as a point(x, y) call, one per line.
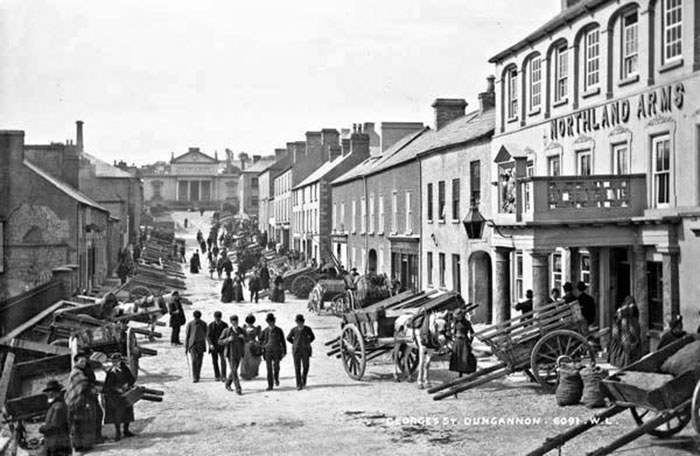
point(480, 286)
point(372, 260)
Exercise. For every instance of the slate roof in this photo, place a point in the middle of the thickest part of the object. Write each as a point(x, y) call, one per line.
point(324, 169)
point(104, 169)
point(64, 187)
point(256, 167)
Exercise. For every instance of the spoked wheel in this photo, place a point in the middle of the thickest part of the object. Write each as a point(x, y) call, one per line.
point(338, 304)
point(549, 348)
point(695, 408)
point(352, 351)
point(667, 429)
point(132, 353)
point(139, 292)
point(408, 360)
point(302, 286)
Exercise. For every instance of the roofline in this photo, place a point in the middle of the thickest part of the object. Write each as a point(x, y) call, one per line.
point(198, 151)
point(446, 147)
point(561, 20)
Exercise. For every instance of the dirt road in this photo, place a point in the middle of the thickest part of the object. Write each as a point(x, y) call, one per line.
point(337, 415)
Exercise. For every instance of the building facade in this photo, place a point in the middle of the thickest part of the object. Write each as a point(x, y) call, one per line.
point(266, 182)
point(596, 158)
point(249, 184)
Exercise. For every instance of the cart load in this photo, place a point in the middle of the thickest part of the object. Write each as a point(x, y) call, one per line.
point(328, 295)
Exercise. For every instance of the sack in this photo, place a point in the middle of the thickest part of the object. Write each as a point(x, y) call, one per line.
point(685, 359)
point(592, 376)
point(569, 387)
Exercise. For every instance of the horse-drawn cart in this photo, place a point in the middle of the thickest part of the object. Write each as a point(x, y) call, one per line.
point(531, 342)
point(661, 403)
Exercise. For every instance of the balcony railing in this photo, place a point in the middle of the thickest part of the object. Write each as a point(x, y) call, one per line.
point(582, 198)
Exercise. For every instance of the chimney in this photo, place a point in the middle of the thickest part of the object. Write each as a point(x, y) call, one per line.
point(243, 158)
point(345, 145)
point(79, 135)
point(314, 146)
point(374, 139)
point(447, 110)
point(280, 154)
point(256, 158)
point(334, 152)
point(345, 133)
point(299, 151)
point(487, 100)
point(70, 166)
point(359, 142)
point(330, 138)
point(11, 159)
point(566, 4)
point(393, 131)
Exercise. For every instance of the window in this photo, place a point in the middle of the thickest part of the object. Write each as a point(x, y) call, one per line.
point(662, 169)
point(382, 222)
point(535, 83)
point(254, 182)
point(394, 212)
point(630, 45)
point(429, 265)
point(353, 263)
point(441, 265)
point(519, 272)
point(363, 214)
point(342, 216)
point(554, 165)
point(585, 268)
point(584, 166)
point(334, 223)
point(354, 217)
point(441, 201)
point(592, 59)
point(557, 271)
point(655, 282)
point(409, 214)
point(429, 204)
point(621, 159)
point(561, 74)
point(455, 199)
point(475, 183)
point(456, 274)
point(673, 26)
point(513, 94)
point(371, 213)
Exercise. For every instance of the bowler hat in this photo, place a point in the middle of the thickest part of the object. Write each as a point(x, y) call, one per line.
point(270, 317)
point(53, 385)
point(581, 286)
point(115, 356)
point(299, 318)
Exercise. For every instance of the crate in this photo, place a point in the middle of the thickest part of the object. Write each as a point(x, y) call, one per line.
point(134, 395)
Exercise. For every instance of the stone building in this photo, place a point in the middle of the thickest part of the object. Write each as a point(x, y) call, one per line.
point(45, 222)
point(248, 184)
point(596, 158)
point(312, 198)
point(455, 178)
point(266, 182)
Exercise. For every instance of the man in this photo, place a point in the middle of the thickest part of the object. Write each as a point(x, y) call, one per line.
point(227, 265)
point(554, 295)
point(233, 341)
point(254, 286)
point(56, 429)
point(264, 277)
point(301, 338)
point(569, 293)
point(84, 411)
point(526, 306)
point(118, 380)
point(586, 302)
point(196, 343)
point(214, 331)
point(274, 349)
point(177, 318)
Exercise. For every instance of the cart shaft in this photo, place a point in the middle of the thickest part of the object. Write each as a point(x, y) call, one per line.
point(479, 381)
point(467, 379)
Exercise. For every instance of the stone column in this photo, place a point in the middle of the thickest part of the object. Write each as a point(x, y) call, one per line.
point(540, 277)
point(594, 289)
point(502, 286)
point(670, 281)
point(641, 291)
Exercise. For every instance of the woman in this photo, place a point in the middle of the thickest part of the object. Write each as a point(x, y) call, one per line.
point(277, 294)
point(625, 343)
point(195, 265)
point(237, 289)
point(227, 289)
point(462, 359)
point(251, 350)
point(117, 411)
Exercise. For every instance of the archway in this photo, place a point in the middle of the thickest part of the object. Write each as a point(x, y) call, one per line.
point(480, 286)
point(372, 260)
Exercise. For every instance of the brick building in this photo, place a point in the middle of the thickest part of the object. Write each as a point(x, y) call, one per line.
point(596, 158)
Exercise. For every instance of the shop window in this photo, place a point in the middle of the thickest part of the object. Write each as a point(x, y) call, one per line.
point(535, 83)
point(584, 163)
point(585, 268)
point(557, 270)
point(656, 294)
point(673, 27)
point(661, 147)
point(630, 45)
point(592, 59)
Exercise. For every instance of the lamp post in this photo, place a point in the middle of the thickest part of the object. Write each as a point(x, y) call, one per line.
point(474, 223)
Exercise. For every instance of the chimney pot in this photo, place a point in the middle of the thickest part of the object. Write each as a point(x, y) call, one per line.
point(79, 134)
point(487, 100)
point(447, 110)
point(345, 146)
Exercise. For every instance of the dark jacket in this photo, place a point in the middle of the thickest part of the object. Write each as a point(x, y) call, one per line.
point(272, 341)
point(233, 341)
point(301, 339)
point(56, 429)
point(177, 314)
point(196, 336)
point(588, 310)
point(228, 267)
point(118, 380)
point(214, 331)
point(264, 278)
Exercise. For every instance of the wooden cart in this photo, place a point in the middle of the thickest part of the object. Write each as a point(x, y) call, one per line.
point(531, 342)
point(329, 295)
point(369, 333)
point(661, 410)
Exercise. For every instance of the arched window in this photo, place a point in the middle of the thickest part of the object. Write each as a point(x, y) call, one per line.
point(532, 83)
point(559, 71)
point(510, 95)
point(590, 47)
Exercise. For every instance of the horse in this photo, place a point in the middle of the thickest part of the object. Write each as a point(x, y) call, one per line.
point(143, 310)
point(428, 331)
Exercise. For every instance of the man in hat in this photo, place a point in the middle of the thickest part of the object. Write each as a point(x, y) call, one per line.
point(586, 302)
point(177, 318)
point(274, 349)
point(56, 429)
point(301, 337)
point(84, 411)
point(196, 343)
point(214, 331)
point(119, 380)
point(568, 293)
point(232, 340)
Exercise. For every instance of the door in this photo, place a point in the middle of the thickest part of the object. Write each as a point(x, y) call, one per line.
point(621, 275)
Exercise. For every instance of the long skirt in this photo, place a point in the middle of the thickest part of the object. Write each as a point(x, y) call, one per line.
point(462, 359)
point(250, 363)
point(117, 410)
point(83, 427)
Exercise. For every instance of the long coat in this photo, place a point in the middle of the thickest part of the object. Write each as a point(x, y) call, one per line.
point(196, 336)
point(118, 380)
point(301, 339)
point(227, 290)
point(82, 404)
point(462, 359)
point(177, 314)
point(272, 341)
point(233, 341)
point(264, 278)
point(56, 429)
point(195, 265)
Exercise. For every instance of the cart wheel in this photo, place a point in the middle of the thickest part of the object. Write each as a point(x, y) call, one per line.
point(352, 351)
point(302, 286)
point(667, 429)
point(338, 304)
point(139, 292)
point(408, 360)
point(695, 408)
point(549, 348)
point(350, 301)
point(132, 353)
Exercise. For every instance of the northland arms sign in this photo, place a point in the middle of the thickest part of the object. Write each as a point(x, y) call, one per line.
point(609, 115)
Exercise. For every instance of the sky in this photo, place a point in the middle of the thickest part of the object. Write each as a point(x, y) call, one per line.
point(153, 77)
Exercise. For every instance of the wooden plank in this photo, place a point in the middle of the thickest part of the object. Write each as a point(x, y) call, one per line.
point(522, 320)
point(31, 322)
point(391, 301)
point(28, 345)
point(6, 377)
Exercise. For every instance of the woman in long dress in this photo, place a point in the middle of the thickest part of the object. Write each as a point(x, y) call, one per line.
point(462, 359)
point(195, 265)
point(251, 350)
point(625, 343)
point(237, 289)
point(227, 290)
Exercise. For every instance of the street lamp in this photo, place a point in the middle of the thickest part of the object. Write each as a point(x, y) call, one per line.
point(474, 223)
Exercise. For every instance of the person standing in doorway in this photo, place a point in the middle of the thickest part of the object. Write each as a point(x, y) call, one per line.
point(196, 343)
point(233, 341)
point(301, 337)
point(214, 331)
point(274, 349)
